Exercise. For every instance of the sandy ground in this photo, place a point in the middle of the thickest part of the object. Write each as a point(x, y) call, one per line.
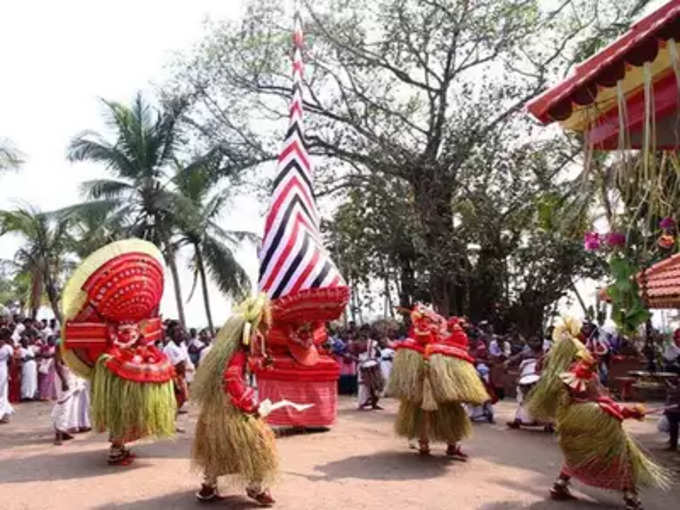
point(359, 464)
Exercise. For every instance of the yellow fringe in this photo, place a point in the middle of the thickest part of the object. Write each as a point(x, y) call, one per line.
point(406, 377)
point(450, 423)
point(131, 410)
point(456, 380)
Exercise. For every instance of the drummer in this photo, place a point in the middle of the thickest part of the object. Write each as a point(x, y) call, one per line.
point(371, 381)
point(529, 373)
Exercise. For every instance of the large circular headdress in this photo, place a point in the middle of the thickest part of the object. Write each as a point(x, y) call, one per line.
point(117, 284)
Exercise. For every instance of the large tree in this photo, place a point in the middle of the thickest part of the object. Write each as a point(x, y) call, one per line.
point(424, 92)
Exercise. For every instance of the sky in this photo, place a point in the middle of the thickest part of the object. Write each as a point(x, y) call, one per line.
point(58, 60)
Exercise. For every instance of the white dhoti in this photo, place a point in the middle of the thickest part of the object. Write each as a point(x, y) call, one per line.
point(29, 379)
point(386, 366)
point(522, 414)
point(5, 408)
point(83, 421)
point(65, 411)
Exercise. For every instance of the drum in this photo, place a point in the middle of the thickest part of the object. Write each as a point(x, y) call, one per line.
point(372, 377)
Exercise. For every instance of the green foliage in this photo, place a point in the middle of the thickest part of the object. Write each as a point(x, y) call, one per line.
point(43, 256)
point(628, 309)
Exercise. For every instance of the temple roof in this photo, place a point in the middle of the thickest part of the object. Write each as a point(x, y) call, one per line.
point(590, 92)
point(660, 284)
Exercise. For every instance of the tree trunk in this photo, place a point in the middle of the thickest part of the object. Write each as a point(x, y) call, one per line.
point(204, 285)
point(53, 296)
point(433, 203)
point(37, 286)
point(170, 258)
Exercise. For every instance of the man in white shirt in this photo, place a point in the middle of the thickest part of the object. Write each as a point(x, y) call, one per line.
point(176, 351)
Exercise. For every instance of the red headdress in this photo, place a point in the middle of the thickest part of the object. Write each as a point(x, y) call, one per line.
point(457, 335)
point(581, 373)
point(111, 306)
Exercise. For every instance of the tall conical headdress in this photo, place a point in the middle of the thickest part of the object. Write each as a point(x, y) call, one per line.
point(294, 265)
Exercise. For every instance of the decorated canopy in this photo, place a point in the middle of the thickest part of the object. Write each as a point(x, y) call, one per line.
point(626, 96)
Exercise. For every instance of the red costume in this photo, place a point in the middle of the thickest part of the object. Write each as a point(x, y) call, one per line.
point(111, 326)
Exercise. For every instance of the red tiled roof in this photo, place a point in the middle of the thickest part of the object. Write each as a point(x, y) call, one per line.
point(660, 284)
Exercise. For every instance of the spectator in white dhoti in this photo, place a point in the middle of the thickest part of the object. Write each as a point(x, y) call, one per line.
point(6, 354)
point(529, 374)
point(65, 411)
point(386, 360)
point(29, 369)
point(82, 421)
point(371, 382)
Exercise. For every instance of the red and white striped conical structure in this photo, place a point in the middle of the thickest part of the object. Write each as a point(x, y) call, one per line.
point(293, 258)
point(297, 273)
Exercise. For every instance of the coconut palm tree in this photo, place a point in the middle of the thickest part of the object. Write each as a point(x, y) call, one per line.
point(145, 144)
point(198, 210)
point(43, 254)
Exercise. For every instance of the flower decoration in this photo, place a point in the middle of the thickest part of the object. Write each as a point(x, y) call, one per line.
point(666, 241)
point(615, 240)
point(591, 241)
point(667, 223)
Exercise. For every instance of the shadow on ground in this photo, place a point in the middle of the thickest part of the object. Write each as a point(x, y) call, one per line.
point(63, 466)
point(386, 465)
point(548, 505)
point(184, 499)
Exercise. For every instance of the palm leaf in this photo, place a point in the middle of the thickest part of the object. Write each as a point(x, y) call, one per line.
point(230, 277)
point(105, 188)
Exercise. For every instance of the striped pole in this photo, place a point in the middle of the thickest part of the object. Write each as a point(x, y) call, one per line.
point(292, 257)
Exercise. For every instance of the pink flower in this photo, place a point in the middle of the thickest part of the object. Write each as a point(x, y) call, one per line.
point(615, 239)
point(667, 223)
point(591, 241)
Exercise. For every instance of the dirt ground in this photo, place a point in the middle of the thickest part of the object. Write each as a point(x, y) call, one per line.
point(359, 464)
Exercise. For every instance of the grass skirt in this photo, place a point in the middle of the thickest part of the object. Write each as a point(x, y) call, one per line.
point(406, 377)
point(229, 442)
point(455, 380)
point(544, 398)
point(131, 410)
point(449, 423)
point(599, 452)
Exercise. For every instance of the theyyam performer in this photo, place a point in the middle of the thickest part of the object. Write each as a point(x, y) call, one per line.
point(597, 449)
point(232, 437)
point(299, 276)
point(433, 376)
point(110, 307)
